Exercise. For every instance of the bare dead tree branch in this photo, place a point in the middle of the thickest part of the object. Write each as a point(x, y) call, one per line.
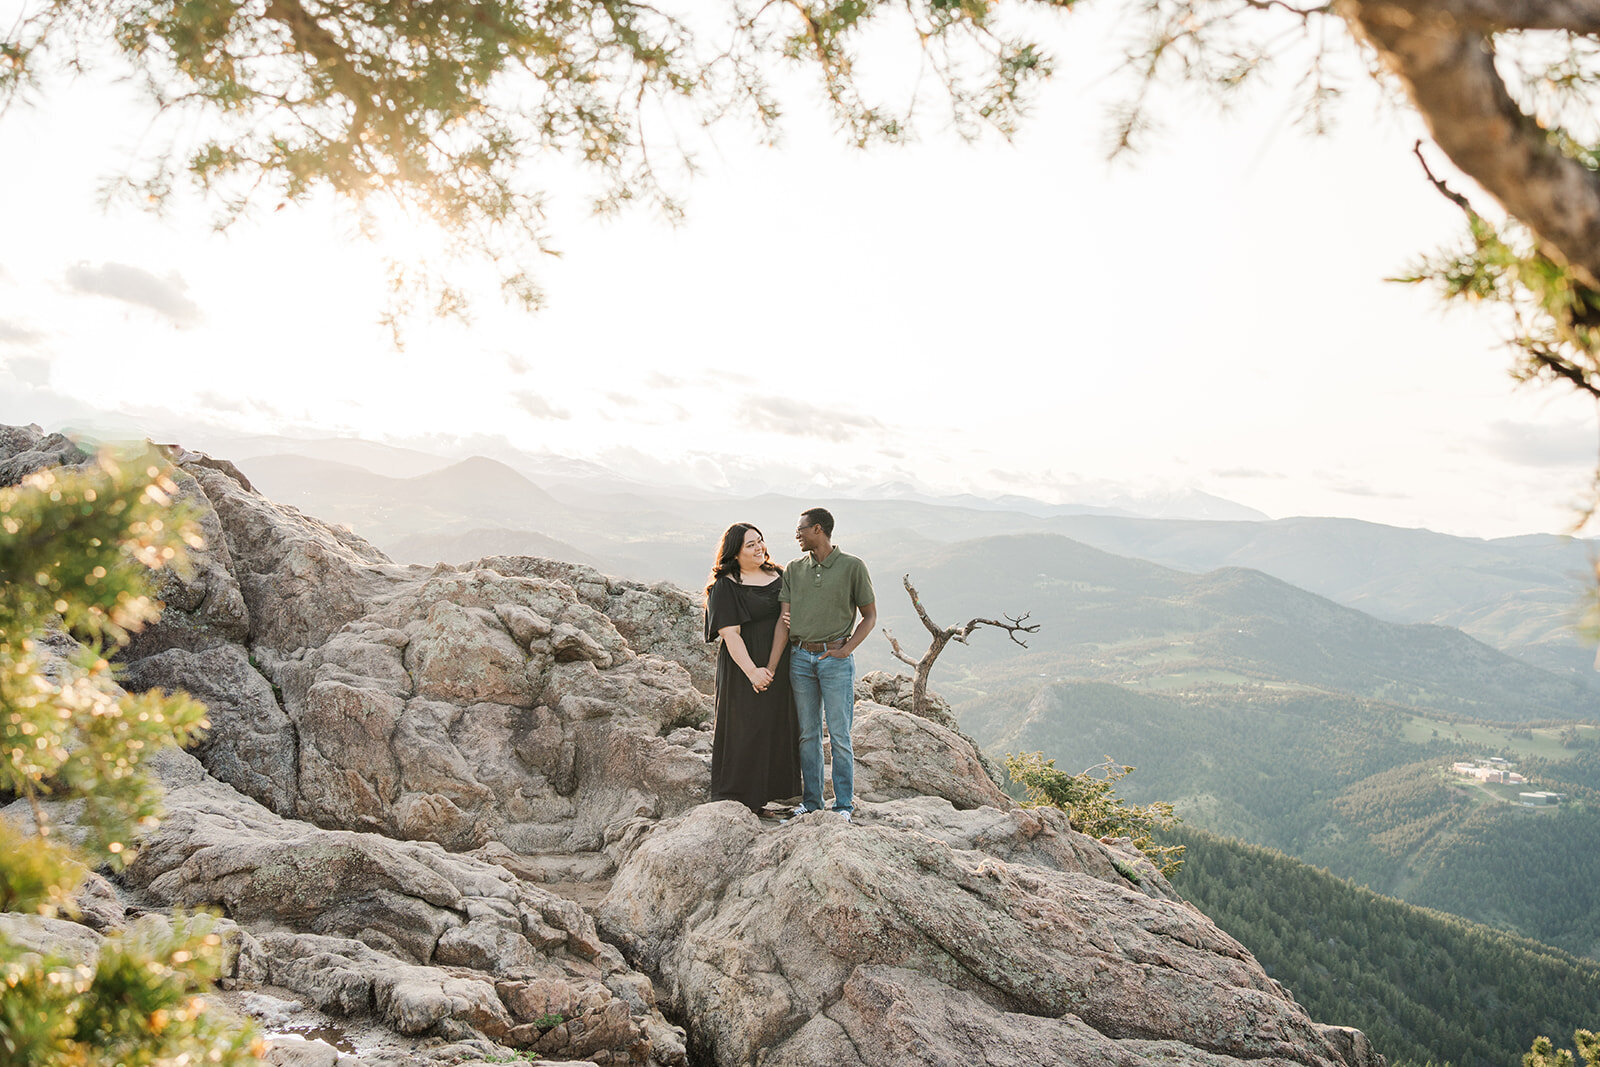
point(1438, 183)
point(942, 636)
point(899, 653)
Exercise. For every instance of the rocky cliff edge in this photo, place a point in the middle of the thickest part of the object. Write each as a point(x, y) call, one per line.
point(415, 773)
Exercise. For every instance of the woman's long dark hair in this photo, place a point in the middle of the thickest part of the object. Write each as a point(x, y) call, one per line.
point(727, 562)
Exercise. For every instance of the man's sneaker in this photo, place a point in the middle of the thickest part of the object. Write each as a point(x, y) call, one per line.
point(845, 814)
point(798, 811)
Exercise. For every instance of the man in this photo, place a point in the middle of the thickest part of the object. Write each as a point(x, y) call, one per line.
point(822, 592)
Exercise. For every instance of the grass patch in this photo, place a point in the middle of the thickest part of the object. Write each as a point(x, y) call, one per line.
point(1188, 679)
point(1545, 742)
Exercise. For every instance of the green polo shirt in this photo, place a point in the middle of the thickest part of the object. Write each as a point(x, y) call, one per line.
point(823, 597)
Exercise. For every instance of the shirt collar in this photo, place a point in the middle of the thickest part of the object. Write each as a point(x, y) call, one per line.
point(812, 559)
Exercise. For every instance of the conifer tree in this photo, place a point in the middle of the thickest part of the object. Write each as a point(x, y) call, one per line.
point(441, 107)
point(77, 553)
point(1545, 1054)
point(1091, 802)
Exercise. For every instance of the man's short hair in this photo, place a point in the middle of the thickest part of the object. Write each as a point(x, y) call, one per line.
point(819, 517)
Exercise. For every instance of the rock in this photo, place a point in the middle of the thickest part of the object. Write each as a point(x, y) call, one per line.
point(251, 744)
point(803, 944)
point(204, 605)
point(658, 619)
point(525, 626)
point(1040, 837)
point(97, 905)
point(421, 938)
point(26, 449)
point(301, 579)
point(894, 1017)
point(456, 714)
point(414, 1000)
point(440, 704)
point(290, 1052)
point(899, 755)
point(271, 1012)
point(184, 457)
point(895, 691)
point(466, 658)
point(51, 937)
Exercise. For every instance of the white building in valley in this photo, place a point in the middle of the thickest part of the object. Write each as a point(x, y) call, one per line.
point(1493, 769)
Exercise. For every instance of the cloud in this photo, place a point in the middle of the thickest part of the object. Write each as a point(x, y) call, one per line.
point(777, 414)
point(623, 400)
point(215, 403)
point(533, 404)
point(704, 470)
point(1339, 484)
point(517, 364)
point(1536, 444)
point(12, 334)
point(29, 370)
point(135, 285)
point(1005, 477)
point(657, 380)
point(1246, 472)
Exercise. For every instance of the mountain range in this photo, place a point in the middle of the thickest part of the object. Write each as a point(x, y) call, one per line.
point(1520, 595)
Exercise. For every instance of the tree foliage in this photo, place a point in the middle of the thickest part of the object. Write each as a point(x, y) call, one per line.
point(1425, 987)
point(445, 109)
point(1090, 800)
point(1545, 1054)
point(77, 555)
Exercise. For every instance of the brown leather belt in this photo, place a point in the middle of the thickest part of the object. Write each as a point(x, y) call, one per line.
point(818, 646)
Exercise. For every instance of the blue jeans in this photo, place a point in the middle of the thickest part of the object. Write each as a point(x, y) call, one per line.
point(825, 683)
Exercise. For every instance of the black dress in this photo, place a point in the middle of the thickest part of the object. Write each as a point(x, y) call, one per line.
point(755, 751)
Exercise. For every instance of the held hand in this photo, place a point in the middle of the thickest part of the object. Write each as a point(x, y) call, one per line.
point(760, 678)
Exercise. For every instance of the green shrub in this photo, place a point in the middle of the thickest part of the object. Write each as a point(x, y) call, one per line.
point(1090, 800)
point(77, 551)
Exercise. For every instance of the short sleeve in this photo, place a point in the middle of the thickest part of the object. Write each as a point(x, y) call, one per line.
point(783, 587)
point(863, 587)
point(724, 608)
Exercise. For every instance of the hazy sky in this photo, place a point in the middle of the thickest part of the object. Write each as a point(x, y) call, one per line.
point(990, 318)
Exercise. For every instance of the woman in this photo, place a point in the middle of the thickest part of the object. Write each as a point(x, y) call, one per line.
point(755, 752)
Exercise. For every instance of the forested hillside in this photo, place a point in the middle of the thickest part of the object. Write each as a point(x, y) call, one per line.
point(1358, 786)
point(1424, 986)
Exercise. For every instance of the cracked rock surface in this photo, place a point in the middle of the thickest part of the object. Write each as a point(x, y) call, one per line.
point(882, 943)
